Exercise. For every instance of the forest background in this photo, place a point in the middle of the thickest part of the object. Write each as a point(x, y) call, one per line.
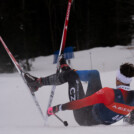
point(33, 28)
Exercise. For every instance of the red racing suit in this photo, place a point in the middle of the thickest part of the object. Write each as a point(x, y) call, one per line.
point(109, 105)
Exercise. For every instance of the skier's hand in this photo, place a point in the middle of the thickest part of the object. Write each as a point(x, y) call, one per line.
point(52, 110)
point(33, 82)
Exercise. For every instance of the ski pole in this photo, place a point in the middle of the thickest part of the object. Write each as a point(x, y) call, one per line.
point(20, 71)
point(64, 122)
point(62, 46)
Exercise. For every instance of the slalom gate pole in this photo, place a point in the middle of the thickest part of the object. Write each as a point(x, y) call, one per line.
point(21, 72)
point(62, 46)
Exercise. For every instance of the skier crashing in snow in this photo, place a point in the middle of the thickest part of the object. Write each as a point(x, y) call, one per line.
point(99, 105)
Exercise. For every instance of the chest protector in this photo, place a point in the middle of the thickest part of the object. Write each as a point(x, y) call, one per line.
point(116, 111)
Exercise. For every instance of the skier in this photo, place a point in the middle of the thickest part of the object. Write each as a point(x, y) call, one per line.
point(99, 105)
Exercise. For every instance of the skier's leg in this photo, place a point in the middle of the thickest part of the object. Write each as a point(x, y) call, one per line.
point(76, 92)
point(84, 116)
point(54, 79)
point(75, 87)
point(94, 84)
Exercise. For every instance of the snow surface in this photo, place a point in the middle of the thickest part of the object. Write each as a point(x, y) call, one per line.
point(19, 115)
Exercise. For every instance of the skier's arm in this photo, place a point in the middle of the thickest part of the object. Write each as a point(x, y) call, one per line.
point(104, 95)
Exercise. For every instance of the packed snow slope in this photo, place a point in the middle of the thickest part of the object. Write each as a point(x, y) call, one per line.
point(18, 113)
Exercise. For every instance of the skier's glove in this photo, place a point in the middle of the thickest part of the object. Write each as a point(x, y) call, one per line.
point(53, 110)
point(33, 82)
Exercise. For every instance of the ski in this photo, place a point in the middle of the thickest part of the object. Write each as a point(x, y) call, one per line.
point(21, 72)
point(62, 46)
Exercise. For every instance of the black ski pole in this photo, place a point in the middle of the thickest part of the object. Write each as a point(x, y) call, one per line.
point(64, 122)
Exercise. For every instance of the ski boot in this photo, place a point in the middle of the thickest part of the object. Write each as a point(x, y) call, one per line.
point(33, 82)
point(63, 65)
